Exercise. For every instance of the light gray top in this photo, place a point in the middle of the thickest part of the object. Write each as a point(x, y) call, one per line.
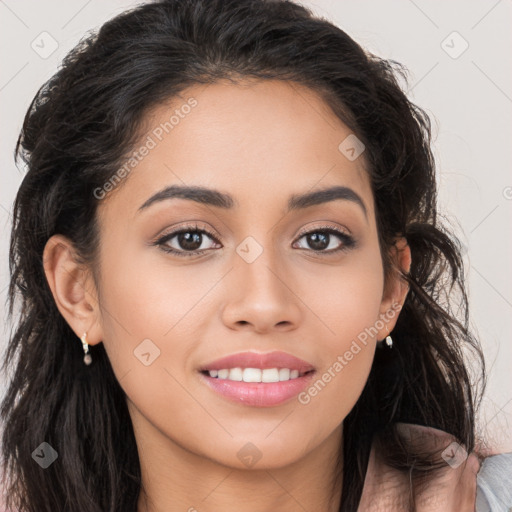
point(494, 484)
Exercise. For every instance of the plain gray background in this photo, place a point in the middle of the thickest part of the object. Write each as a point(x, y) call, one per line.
point(458, 56)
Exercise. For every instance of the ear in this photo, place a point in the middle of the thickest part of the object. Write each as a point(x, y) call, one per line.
point(396, 288)
point(73, 288)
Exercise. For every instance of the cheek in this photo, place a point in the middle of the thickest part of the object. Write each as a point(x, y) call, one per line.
point(349, 305)
point(347, 296)
point(140, 305)
point(148, 295)
point(155, 315)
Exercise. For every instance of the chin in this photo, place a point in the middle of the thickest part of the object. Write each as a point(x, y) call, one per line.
point(259, 455)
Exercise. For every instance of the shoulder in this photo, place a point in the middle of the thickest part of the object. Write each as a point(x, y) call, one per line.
point(464, 483)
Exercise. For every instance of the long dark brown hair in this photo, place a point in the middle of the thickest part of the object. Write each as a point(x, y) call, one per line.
point(78, 129)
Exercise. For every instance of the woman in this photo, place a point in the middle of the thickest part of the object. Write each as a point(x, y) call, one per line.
point(235, 292)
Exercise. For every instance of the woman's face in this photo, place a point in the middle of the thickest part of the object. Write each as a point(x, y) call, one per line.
point(257, 284)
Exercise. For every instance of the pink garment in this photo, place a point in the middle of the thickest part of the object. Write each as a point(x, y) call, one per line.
point(453, 489)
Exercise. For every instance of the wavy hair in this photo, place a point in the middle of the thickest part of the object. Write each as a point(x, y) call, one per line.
point(76, 133)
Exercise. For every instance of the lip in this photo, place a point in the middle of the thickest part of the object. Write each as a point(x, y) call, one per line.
point(259, 394)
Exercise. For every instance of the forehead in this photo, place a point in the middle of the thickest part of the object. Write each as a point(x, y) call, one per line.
point(257, 140)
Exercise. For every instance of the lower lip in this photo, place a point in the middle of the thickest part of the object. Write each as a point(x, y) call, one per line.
point(258, 394)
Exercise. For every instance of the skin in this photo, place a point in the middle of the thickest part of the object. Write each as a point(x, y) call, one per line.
point(260, 142)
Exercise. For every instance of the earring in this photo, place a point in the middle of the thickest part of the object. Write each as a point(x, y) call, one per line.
point(389, 341)
point(87, 356)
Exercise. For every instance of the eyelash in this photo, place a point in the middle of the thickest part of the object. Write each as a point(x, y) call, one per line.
point(347, 241)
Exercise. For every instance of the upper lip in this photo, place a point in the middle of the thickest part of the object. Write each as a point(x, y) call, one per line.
point(258, 360)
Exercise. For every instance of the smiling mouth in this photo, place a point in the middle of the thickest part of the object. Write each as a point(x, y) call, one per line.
point(258, 375)
point(256, 379)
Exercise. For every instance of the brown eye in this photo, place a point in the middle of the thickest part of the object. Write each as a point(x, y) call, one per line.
point(327, 240)
point(187, 241)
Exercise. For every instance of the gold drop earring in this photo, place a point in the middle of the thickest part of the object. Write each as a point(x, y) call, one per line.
point(87, 356)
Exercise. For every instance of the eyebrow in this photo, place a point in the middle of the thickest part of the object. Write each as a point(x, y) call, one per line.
point(223, 200)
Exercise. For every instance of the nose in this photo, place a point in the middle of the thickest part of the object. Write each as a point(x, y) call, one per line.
point(261, 297)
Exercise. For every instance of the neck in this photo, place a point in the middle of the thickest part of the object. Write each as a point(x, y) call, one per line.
point(176, 480)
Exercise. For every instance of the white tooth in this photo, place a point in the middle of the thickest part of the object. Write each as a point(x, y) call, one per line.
point(223, 374)
point(213, 373)
point(235, 374)
point(252, 375)
point(294, 374)
point(270, 375)
point(284, 374)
